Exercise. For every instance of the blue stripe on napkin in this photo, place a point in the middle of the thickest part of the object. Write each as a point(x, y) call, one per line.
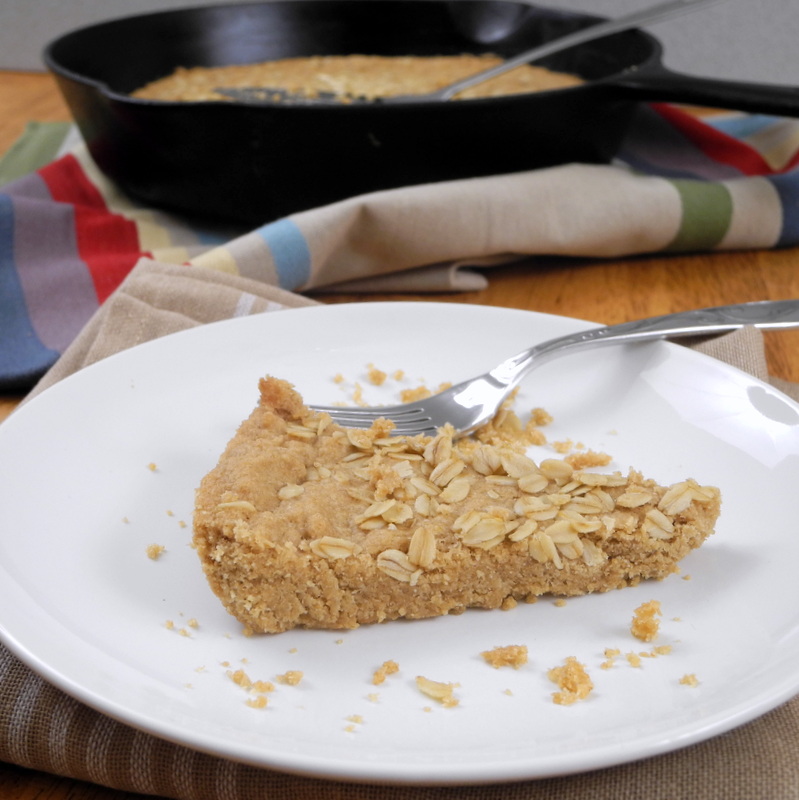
point(22, 356)
point(290, 252)
point(788, 190)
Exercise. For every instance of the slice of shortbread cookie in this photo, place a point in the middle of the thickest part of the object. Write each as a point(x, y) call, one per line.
point(305, 523)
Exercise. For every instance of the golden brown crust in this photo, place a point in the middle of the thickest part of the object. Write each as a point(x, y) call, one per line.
point(303, 523)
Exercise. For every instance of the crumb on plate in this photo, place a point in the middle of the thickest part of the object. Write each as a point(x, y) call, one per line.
point(290, 678)
point(383, 671)
point(512, 655)
point(645, 623)
point(154, 551)
point(572, 680)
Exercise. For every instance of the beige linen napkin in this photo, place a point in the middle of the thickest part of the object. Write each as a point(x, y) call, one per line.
point(44, 729)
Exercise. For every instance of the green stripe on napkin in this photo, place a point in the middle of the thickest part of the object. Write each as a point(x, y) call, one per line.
point(706, 215)
point(37, 146)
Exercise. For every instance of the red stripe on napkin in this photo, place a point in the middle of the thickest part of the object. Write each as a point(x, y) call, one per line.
point(715, 143)
point(107, 243)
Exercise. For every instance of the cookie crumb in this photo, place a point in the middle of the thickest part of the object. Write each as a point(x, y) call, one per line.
point(588, 459)
point(154, 551)
point(240, 678)
point(376, 376)
point(633, 659)
point(611, 654)
point(290, 678)
point(645, 624)
point(572, 680)
point(383, 671)
point(541, 417)
point(512, 655)
point(411, 395)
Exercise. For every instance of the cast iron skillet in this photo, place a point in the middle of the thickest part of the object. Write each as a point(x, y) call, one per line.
point(253, 163)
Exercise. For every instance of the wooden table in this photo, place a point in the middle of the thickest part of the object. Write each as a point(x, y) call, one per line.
point(604, 291)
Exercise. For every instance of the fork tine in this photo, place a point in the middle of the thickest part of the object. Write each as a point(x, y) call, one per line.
point(408, 419)
point(397, 413)
point(345, 411)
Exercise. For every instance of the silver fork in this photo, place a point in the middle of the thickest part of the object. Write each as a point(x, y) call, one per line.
point(470, 404)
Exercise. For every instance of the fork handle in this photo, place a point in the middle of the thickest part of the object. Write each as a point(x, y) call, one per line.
point(599, 30)
point(699, 322)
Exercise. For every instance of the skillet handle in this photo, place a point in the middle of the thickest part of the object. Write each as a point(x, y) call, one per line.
point(656, 83)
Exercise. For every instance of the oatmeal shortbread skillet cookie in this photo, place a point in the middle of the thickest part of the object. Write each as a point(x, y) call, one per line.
point(354, 76)
point(305, 523)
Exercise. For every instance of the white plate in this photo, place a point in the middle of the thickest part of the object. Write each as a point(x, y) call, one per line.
point(82, 604)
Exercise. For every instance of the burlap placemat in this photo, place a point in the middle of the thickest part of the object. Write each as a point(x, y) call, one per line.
point(42, 728)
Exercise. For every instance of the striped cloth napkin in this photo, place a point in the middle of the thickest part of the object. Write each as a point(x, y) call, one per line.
point(68, 236)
